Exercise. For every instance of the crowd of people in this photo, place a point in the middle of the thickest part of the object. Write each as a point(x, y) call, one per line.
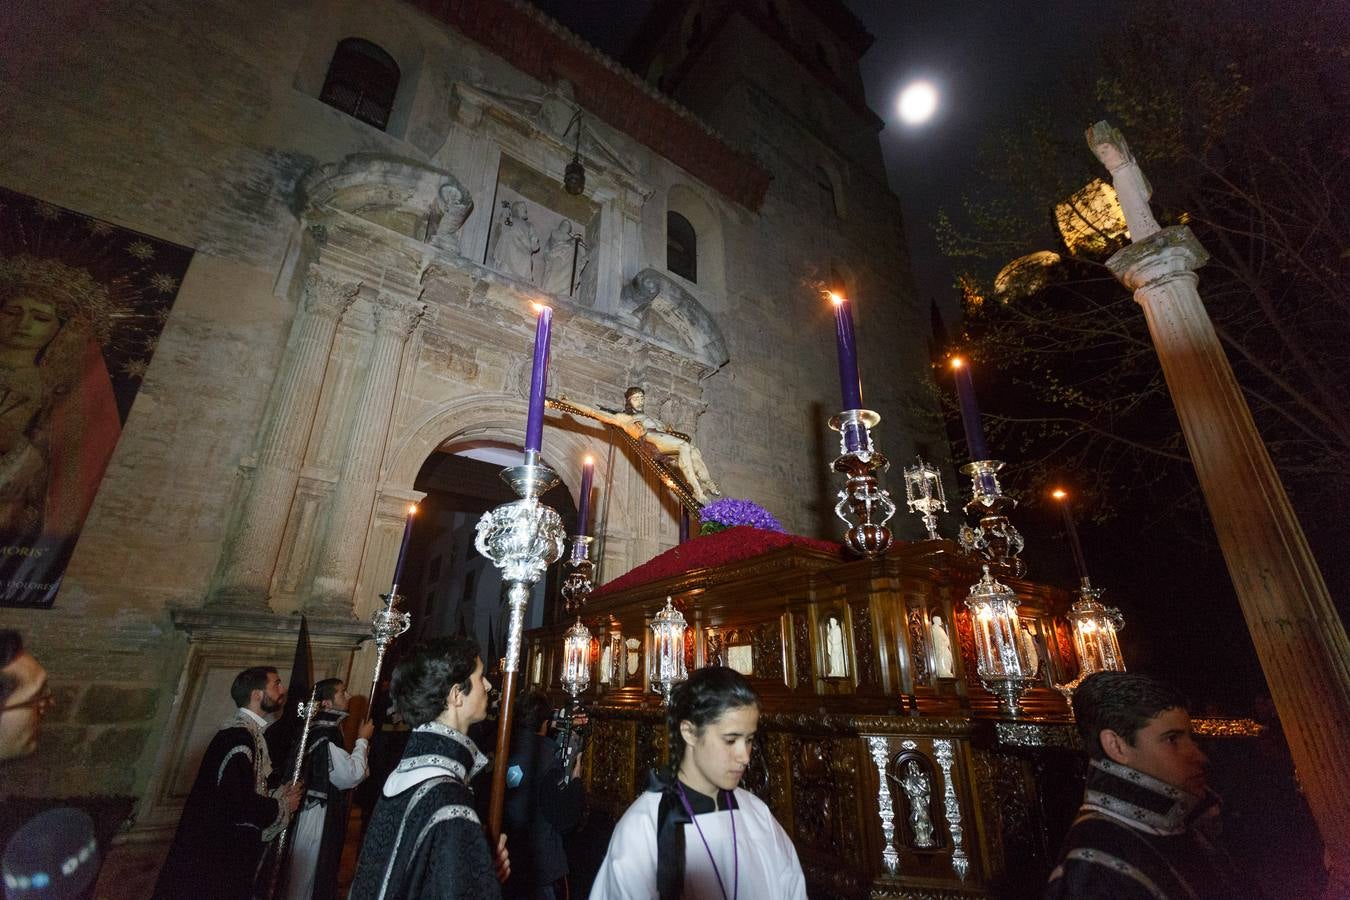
point(1145, 828)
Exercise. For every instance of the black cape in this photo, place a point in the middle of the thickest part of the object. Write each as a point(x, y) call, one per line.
point(1138, 838)
point(226, 821)
point(425, 841)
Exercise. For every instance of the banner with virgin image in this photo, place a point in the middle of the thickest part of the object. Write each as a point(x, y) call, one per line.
point(82, 305)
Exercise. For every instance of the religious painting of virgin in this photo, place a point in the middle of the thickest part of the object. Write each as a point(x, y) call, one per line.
point(82, 304)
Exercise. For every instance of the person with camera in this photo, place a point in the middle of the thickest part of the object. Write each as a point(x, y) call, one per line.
point(542, 805)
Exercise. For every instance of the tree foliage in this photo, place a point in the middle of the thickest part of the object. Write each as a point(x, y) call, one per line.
point(1240, 118)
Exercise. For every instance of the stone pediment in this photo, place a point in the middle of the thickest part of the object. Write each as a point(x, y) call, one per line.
point(669, 315)
point(411, 198)
point(548, 114)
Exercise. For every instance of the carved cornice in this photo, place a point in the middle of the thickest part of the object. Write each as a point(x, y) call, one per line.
point(395, 314)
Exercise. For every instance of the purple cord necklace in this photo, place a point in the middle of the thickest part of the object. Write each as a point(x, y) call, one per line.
point(735, 852)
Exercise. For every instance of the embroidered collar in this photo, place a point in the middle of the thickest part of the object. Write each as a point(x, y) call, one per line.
point(1142, 801)
point(434, 751)
point(249, 719)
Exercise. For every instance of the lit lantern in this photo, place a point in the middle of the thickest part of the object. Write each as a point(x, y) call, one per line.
point(1003, 666)
point(665, 666)
point(1094, 633)
point(924, 495)
point(576, 673)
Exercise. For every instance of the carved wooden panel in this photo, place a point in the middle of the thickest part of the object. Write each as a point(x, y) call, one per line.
point(918, 647)
point(612, 783)
point(650, 751)
point(864, 646)
point(801, 650)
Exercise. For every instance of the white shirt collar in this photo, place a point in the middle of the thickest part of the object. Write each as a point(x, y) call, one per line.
point(261, 722)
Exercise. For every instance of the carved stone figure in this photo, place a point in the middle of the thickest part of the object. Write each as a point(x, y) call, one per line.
point(1132, 188)
point(455, 205)
point(517, 243)
point(564, 258)
point(667, 312)
point(920, 793)
point(836, 665)
point(942, 649)
point(684, 456)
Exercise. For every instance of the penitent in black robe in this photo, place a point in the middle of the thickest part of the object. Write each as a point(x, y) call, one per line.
point(227, 820)
point(425, 840)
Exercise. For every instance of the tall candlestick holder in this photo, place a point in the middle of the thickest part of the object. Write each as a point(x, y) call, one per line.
point(307, 711)
point(385, 625)
point(994, 538)
point(924, 494)
point(522, 538)
point(578, 584)
point(864, 506)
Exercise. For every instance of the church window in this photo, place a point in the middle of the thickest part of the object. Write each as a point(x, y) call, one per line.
point(362, 81)
point(681, 247)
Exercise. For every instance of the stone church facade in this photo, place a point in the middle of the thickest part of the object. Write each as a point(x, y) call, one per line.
point(347, 313)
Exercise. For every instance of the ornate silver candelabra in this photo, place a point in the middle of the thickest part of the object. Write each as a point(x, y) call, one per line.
point(577, 586)
point(924, 494)
point(306, 711)
point(862, 498)
point(994, 538)
point(385, 625)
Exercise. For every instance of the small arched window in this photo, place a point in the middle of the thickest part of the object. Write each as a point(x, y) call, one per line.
point(681, 247)
point(362, 81)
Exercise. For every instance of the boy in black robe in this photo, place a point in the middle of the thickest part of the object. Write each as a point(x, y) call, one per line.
point(425, 840)
point(230, 815)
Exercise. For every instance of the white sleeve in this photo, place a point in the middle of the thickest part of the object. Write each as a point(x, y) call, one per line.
point(629, 869)
point(792, 883)
point(349, 769)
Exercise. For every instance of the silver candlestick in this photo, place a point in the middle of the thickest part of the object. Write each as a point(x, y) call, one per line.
point(994, 538)
point(522, 538)
point(307, 712)
point(862, 497)
point(924, 494)
point(577, 586)
point(385, 625)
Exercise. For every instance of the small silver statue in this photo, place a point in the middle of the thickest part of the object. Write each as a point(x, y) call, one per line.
point(920, 793)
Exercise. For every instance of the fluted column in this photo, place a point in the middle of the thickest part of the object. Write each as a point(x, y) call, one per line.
point(354, 496)
point(244, 575)
point(1298, 635)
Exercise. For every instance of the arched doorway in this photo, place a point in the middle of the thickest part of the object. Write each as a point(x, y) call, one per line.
point(448, 586)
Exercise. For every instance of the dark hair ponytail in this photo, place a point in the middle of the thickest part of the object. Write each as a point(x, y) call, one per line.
point(702, 700)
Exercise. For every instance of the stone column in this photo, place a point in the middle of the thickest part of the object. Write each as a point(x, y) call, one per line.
point(354, 496)
point(1298, 635)
point(244, 575)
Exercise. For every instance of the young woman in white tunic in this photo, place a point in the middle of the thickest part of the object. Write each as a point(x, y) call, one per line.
point(694, 834)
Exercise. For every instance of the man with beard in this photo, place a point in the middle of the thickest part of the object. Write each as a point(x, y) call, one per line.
point(330, 774)
point(230, 815)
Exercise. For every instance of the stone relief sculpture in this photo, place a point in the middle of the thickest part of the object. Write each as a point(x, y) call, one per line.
point(668, 313)
point(684, 457)
point(836, 664)
point(517, 243)
point(942, 649)
point(455, 205)
point(920, 793)
point(564, 259)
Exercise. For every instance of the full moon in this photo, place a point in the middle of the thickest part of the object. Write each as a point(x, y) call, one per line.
point(918, 102)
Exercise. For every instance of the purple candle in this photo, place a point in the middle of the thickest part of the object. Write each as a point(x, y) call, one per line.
point(534, 425)
point(403, 547)
point(684, 524)
point(970, 410)
point(850, 386)
point(584, 507)
point(1079, 561)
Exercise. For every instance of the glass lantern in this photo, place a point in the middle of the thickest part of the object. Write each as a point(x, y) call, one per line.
point(1094, 633)
point(1003, 666)
point(576, 673)
point(924, 494)
point(666, 660)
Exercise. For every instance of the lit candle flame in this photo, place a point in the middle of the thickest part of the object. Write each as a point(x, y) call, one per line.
point(957, 362)
point(836, 299)
point(1059, 493)
point(589, 460)
point(537, 307)
point(412, 509)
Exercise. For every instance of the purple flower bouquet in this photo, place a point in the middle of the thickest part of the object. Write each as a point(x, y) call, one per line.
point(730, 512)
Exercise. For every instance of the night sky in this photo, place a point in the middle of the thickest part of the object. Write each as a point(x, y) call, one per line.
point(988, 59)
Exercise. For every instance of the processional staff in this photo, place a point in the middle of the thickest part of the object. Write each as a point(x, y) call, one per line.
point(305, 711)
